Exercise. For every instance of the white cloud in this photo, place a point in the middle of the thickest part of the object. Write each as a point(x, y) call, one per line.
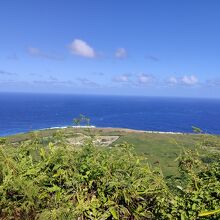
point(121, 53)
point(121, 79)
point(81, 48)
point(145, 79)
point(189, 80)
point(33, 51)
point(87, 82)
point(213, 82)
point(173, 80)
point(36, 52)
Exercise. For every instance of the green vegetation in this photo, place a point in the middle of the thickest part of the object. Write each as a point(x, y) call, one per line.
point(160, 149)
point(43, 176)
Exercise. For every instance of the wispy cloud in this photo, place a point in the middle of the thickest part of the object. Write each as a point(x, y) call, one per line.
point(13, 83)
point(189, 80)
point(12, 57)
point(47, 83)
point(134, 80)
point(87, 82)
point(53, 78)
point(53, 82)
point(213, 82)
point(152, 58)
point(82, 48)
point(36, 52)
point(98, 73)
point(6, 73)
point(124, 78)
point(35, 74)
point(186, 80)
point(145, 79)
point(172, 80)
point(121, 53)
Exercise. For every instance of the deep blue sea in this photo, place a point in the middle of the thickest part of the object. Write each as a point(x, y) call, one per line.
point(26, 112)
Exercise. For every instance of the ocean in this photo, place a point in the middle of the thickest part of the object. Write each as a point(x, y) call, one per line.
point(26, 112)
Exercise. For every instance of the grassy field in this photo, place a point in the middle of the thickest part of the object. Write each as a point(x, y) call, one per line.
point(161, 149)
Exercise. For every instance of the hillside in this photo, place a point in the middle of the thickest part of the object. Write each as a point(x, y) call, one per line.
point(77, 173)
point(160, 148)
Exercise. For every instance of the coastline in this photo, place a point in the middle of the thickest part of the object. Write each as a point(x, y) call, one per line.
point(130, 130)
point(115, 129)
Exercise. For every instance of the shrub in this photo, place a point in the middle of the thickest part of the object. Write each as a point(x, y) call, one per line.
point(58, 181)
point(198, 192)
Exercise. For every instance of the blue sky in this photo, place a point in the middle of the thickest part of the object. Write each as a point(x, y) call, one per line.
point(120, 47)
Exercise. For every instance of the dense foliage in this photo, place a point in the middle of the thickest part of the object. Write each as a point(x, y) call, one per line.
point(59, 181)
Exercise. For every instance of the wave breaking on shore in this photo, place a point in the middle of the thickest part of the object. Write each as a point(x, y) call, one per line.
point(120, 129)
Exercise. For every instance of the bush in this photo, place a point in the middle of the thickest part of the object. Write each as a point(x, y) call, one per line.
point(59, 181)
point(198, 192)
